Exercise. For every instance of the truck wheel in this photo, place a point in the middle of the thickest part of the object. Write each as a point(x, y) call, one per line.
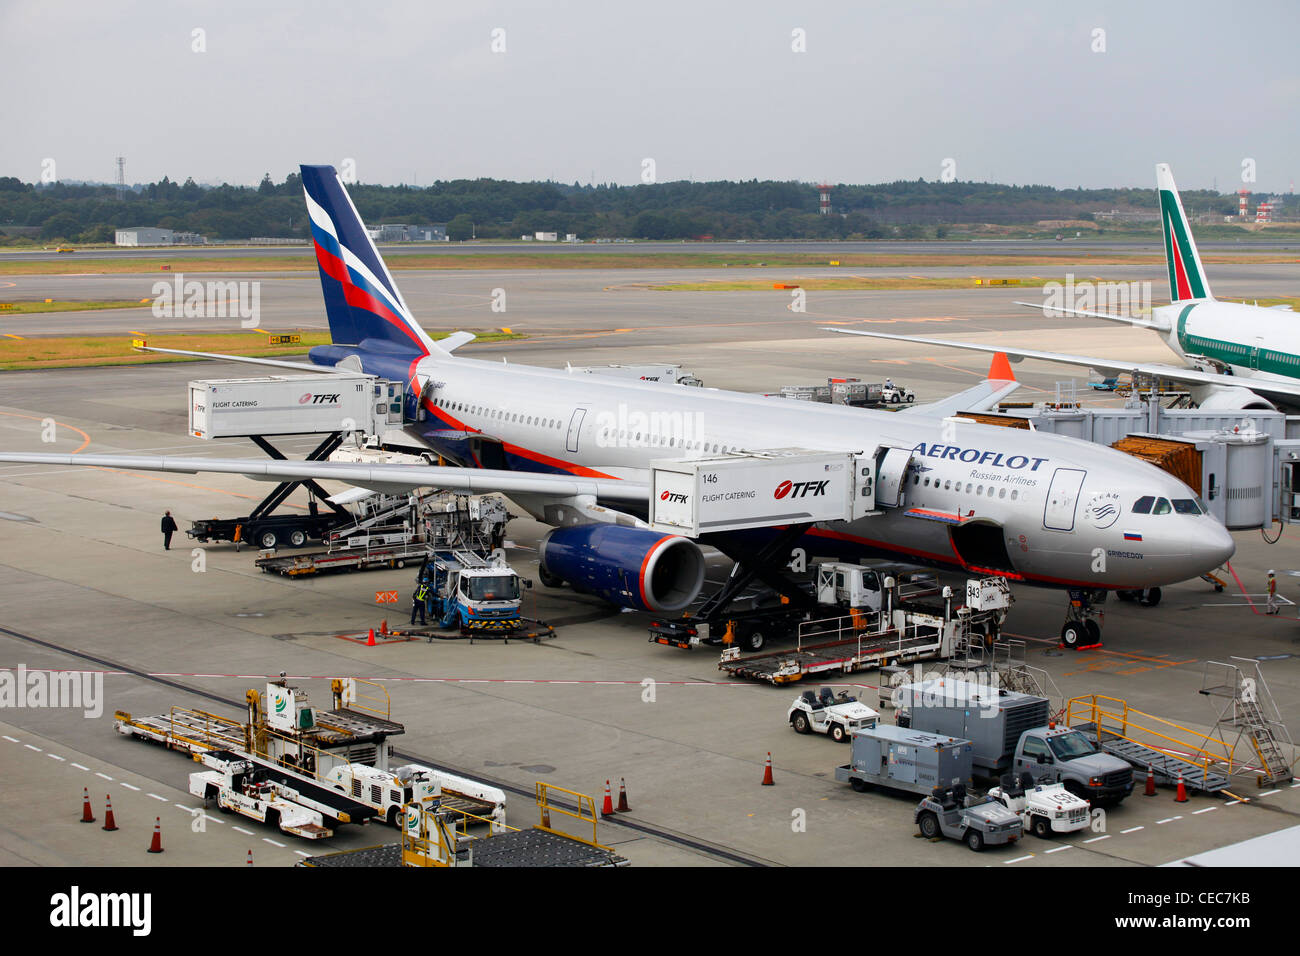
point(267, 540)
point(754, 640)
point(861, 786)
point(838, 734)
point(297, 537)
point(800, 722)
point(911, 398)
point(1041, 827)
point(929, 824)
point(975, 840)
point(394, 819)
point(1072, 635)
point(1150, 598)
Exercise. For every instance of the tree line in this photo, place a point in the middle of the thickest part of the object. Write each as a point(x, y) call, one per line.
point(491, 208)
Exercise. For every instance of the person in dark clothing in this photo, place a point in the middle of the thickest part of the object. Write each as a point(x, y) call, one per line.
point(419, 599)
point(168, 529)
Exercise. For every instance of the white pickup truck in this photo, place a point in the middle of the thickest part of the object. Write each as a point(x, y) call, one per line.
point(1044, 809)
point(836, 716)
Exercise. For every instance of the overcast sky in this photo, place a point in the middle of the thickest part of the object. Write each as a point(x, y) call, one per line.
point(587, 90)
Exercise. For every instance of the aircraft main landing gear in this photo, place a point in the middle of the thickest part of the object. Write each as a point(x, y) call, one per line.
point(1083, 620)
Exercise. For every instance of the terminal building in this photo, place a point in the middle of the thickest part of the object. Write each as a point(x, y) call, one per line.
point(400, 232)
point(151, 236)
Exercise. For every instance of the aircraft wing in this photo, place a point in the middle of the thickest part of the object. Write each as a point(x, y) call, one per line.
point(387, 478)
point(1154, 325)
point(1000, 383)
point(1108, 367)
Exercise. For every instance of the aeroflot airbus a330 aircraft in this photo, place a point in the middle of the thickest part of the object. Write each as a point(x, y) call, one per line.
point(574, 450)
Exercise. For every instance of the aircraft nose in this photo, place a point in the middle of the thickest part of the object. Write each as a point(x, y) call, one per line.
point(1218, 545)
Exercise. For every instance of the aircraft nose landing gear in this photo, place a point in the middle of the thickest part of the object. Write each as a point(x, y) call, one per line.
point(1083, 619)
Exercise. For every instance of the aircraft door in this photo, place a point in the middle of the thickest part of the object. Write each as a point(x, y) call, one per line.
point(1063, 499)
point(575, 428)
point(891, 473)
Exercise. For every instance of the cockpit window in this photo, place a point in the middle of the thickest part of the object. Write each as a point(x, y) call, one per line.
point(1187, 506)
point(1143, 505)
point(1162, 507)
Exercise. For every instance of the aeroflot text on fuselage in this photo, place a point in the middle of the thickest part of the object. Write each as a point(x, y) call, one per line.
point(975, 456)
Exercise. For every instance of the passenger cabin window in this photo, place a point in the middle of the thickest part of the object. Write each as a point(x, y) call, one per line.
point(1143, 505)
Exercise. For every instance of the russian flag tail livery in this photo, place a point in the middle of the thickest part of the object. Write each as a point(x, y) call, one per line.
point(361, 298)
point(1186, 276)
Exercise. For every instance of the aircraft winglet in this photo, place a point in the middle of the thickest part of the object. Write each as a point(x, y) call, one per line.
point(1000, 368)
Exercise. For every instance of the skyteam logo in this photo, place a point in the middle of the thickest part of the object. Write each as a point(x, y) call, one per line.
point(1103, 510)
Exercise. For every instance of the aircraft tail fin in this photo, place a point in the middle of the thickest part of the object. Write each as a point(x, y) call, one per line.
point(1186, 275)
point(361, 299)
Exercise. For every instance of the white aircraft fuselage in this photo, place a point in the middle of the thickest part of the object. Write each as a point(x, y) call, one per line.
point(1046, 509)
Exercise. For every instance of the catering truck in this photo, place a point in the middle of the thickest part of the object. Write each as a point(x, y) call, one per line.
point(1013, 732)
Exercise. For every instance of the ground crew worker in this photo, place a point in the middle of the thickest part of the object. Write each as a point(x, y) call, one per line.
point(419, 599)
point(168, 529)
point(1272, 593)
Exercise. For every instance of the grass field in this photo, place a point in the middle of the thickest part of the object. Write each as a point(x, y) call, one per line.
point(597, 260)
point(31, 308)
point(72, 351)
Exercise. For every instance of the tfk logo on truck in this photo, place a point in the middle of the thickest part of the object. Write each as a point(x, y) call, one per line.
point(310, 399)
point(673, 498)
point(800, 489)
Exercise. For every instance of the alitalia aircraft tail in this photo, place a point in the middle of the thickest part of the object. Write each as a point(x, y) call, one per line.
point(1186, 275)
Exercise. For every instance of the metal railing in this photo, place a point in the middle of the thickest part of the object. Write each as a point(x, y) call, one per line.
point(1115, 717)
point(585, 813)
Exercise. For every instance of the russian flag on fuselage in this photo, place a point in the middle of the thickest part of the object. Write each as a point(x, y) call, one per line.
point(361, 299)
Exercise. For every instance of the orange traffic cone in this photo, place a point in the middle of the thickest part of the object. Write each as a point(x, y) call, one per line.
point(622, 796)
point(1181, 797)
point(250, 857)
point(109, 822)
point(86, 815)
point(767, 772)
point(155, 845)
point(1150, 790)
point(608, 809)
point(370, 641)
point(546, 818)
point(383, 626)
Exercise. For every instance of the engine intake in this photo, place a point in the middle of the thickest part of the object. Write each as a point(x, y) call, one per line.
point(631, 567)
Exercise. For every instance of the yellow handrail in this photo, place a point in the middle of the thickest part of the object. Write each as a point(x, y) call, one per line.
point(1089, 708)
point(545, 807)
